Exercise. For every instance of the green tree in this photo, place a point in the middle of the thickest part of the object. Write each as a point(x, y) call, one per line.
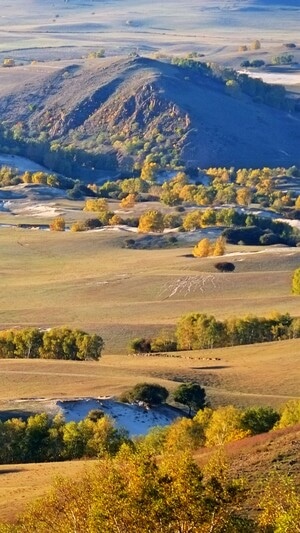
point(192, 395)
point(259, 419)
point(139, 345)
point(149, 393)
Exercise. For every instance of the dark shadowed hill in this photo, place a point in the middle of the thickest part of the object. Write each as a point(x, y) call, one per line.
point(133, 107)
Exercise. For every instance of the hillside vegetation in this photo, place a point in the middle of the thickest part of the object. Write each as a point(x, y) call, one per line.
point(122, 110)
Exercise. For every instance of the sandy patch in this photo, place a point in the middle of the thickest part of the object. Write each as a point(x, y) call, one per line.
point(136, 419)
point(282, 78)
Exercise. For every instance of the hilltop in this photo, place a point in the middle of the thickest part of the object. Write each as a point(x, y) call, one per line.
point(122, 109)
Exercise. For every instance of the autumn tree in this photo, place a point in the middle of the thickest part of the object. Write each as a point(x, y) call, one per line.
point(290, 414)
point(225, 426)
point(149, 171)
point(115, 220)
point(140, 495)
point(255, 45)
point(129, 201)
point(96, 204)
point(280, 504)
point(219, 247)
point(58, 224)
point(202, 248)
point(151, 221)
point(183, 434)
point(192, 221)
point(296, 281)
point(200, 331)
point(243, 196)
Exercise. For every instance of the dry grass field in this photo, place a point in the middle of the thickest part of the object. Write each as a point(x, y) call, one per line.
point(21, 484)
point(242, 375)
point(43, 28)
point(92, 282)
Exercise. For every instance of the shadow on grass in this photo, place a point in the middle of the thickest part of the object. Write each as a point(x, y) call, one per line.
point(11, 470)
point(215, 367)
point(15, 413)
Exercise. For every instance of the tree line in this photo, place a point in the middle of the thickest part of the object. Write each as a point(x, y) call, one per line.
point(55, 343)
point(222, 186)
point(198, 331)
point(41, 438)
point(241, 227)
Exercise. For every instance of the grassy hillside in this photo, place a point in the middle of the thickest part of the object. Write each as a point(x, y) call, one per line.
point(234, 375)
point(121, 110)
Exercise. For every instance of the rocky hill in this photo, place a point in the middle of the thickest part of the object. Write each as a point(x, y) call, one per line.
point(131, 107)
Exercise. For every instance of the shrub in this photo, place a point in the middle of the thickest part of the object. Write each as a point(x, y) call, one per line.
point(58, 224)
point(165, 342)
point(225, 266)
point(139, 345)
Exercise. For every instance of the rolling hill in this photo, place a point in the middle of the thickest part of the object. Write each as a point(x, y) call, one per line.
point(131, 107)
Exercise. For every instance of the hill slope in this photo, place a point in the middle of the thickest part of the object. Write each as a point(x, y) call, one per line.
point(135, 106)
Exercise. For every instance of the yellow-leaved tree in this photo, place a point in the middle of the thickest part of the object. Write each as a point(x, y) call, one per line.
point(225, 426)
point(96, 204)
point(151, 221)
point(202, 248)
point(219, 246)
point(128, 202)
point(58, 224)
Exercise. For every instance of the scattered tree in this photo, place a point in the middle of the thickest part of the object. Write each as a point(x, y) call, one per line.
point(202, 248)
point(192, 395)
point(296, 282)
point(58, 224)
point(151, 221)
point(148, 393)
